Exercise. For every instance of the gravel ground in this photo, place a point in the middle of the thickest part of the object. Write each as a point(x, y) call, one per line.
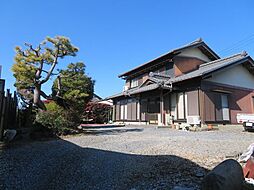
point(132, 157)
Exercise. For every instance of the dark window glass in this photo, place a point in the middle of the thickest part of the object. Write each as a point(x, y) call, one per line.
point(154, 105)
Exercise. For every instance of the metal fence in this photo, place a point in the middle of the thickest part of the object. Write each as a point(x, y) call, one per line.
point(8, 111)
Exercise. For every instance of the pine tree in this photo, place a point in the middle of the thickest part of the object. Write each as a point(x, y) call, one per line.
point(30, 63)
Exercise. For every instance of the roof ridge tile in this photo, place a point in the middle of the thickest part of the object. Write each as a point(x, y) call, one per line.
point(242, 54)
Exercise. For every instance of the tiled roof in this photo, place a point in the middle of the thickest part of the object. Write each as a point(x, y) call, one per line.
point(210, 67)
point(135, 90)
point(206, 68)
point(198, 42)
point(159, 82)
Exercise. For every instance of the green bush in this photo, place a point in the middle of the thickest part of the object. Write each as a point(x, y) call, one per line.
point(56, 119)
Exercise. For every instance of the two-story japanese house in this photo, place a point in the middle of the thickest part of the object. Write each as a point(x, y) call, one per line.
point(189, 84)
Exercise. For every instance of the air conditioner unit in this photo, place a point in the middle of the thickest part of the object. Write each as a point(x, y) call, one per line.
point(193, 120)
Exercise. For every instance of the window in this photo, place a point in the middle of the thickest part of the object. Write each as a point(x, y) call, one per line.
point(154, 105)
point(225, 107)
point(134, 82)
point(123, 110)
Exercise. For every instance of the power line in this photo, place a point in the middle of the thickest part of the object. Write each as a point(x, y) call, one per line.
point(244, 42)
point(240, 47)
point(239, 42)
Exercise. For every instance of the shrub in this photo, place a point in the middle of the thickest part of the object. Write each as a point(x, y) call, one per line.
point(96, 112)
point(56, 119)
point(26, 116)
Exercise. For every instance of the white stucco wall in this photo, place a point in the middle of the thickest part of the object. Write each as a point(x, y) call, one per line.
point(194, 52)
point(236, 76)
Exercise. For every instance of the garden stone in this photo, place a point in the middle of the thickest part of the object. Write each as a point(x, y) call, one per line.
point(227, 175)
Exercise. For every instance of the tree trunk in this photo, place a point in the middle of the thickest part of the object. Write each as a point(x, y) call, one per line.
point(59, 86)
point(37, 97)
point(28, 116)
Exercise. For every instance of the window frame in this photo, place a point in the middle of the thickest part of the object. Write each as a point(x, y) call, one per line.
point(134, 82)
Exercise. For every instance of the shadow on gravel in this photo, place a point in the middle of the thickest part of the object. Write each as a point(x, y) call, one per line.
point(113, 131)
point(59, 164)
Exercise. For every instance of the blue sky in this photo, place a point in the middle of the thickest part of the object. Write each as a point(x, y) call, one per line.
point(116, 35)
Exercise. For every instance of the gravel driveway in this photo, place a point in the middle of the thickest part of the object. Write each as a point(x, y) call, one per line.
point(132, 157)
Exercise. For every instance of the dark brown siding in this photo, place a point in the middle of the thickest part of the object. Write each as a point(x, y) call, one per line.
point(140, 80)
point(252, 103)
point(166, 99)
point(218, 109)
point(192, 103)
point(129, 110)
point(117, 112)
point(143, 109)
point(114, 113)
point(201, 96)
point(240, 100)
point(209, 107)
point(184, 65)
point(134, 111)
point(145, 76)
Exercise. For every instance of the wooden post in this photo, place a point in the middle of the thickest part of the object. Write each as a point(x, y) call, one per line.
point(201, 96)
point(162, 107)
point(113, 117)
point(139, 109)
point(7, 111)
point(1, 119)
point(15, 110)
point(2, 114)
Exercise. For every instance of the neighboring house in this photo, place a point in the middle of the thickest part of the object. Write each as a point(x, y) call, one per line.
point(99, 100)
point(106, 102)
point(96, 98)
point(189, 84)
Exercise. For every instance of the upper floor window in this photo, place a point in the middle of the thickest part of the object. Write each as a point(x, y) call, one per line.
point(134, 82)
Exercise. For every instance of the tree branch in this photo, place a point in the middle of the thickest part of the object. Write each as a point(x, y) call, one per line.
point(22, 53)
point(34, 50)
point(44, 95)
point(51, 73)
point(59, 86)
point(25, 100)
point(52, 67)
